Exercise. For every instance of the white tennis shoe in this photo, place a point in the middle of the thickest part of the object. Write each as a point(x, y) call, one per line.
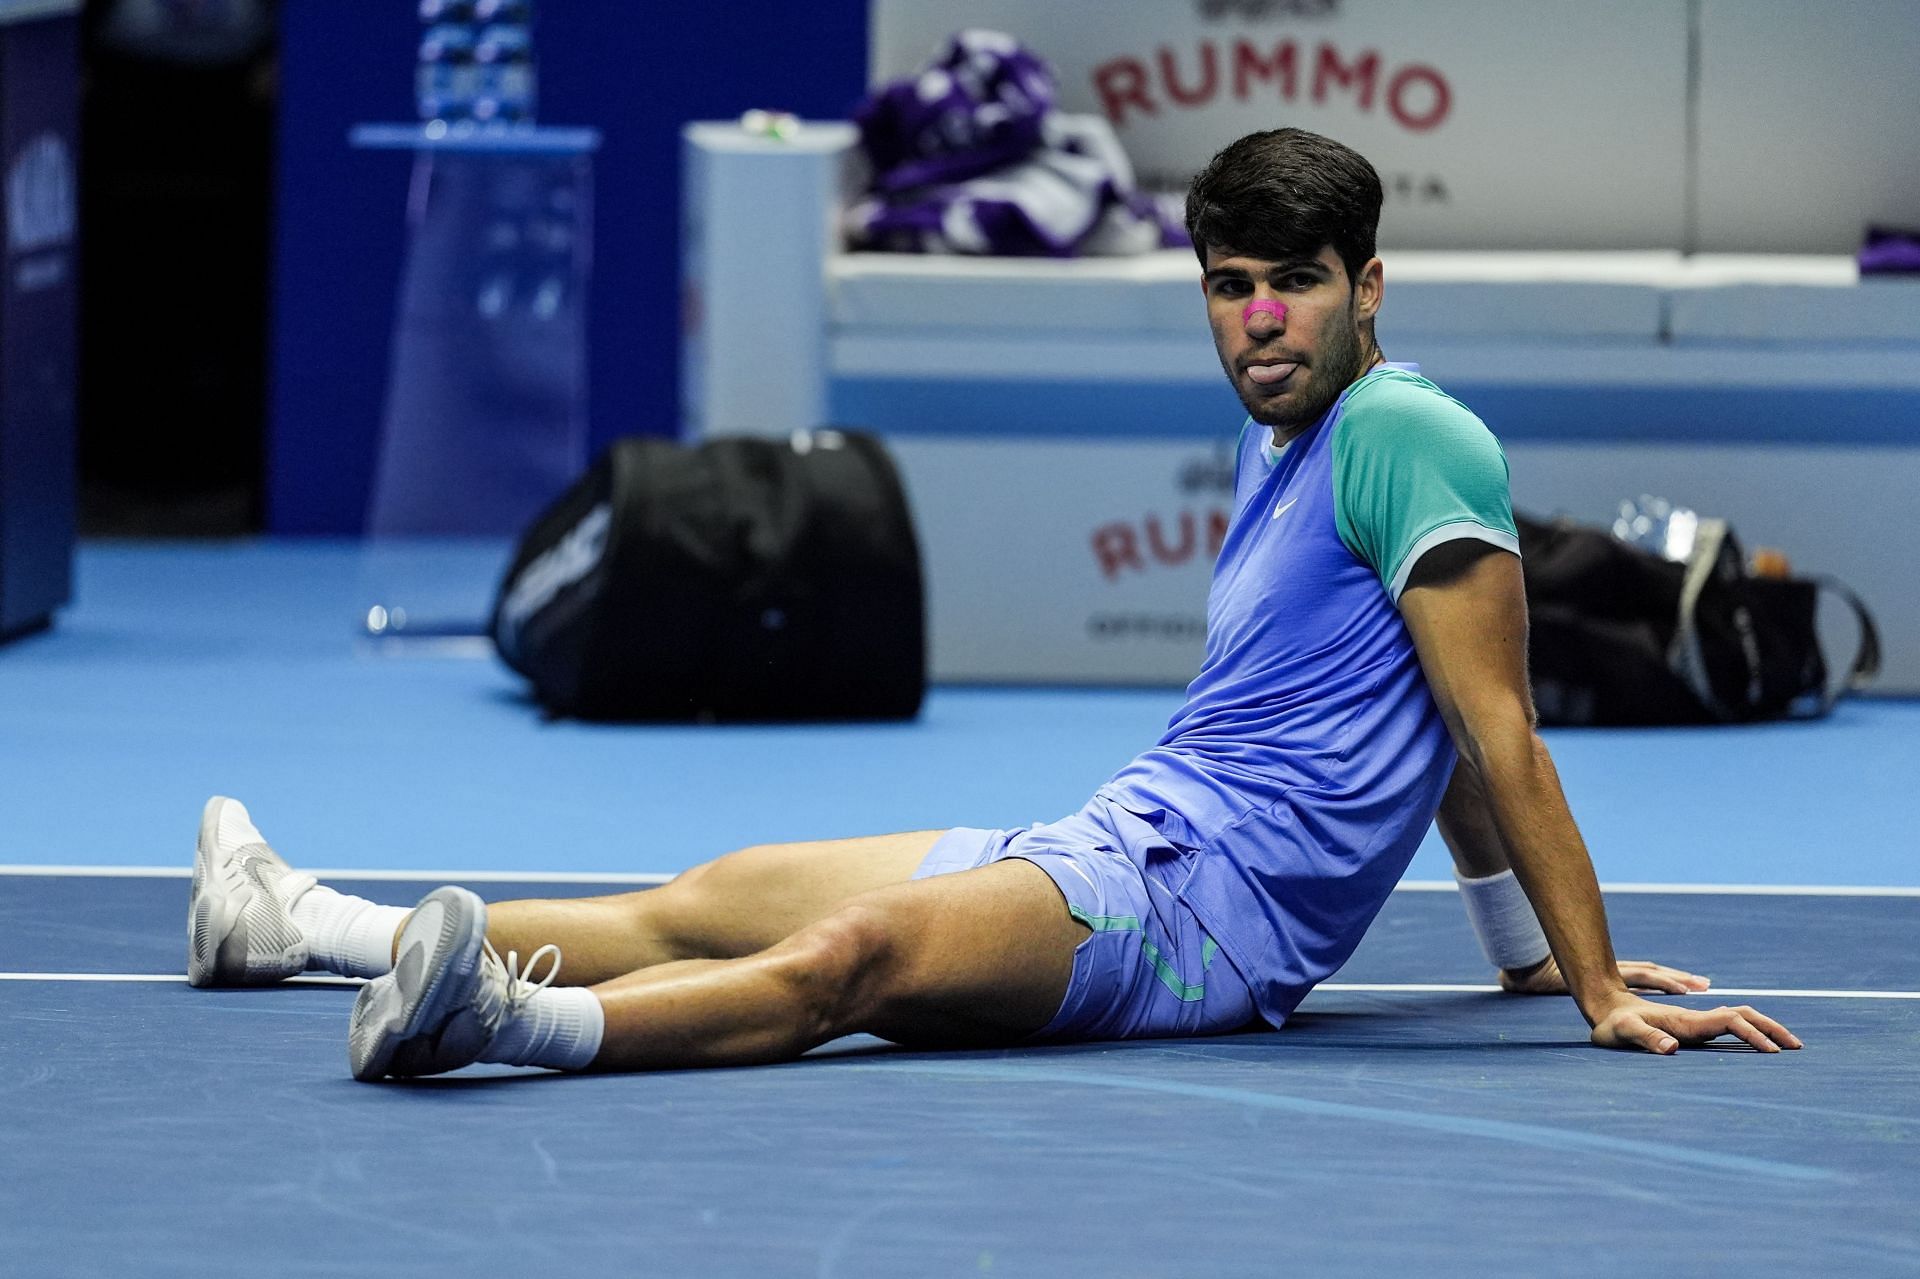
point(240, 930)
point(447, 997)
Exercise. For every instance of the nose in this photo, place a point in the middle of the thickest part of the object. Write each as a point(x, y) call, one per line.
point(1275, 320)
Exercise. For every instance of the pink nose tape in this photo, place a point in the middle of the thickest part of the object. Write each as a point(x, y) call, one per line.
point(1278, 310)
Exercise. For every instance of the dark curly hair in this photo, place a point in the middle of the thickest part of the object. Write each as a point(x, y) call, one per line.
point(1286, 193)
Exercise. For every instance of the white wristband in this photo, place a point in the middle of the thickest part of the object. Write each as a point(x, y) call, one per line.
point(1503, 919)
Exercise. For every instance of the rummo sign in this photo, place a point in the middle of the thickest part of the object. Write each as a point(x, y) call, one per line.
point(1494, 123)
point(1250, 69)
point(1065, 560)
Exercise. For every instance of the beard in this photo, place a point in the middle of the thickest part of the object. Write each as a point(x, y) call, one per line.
point(1343, 356)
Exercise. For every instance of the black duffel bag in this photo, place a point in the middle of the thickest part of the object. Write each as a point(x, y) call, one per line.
point(740, 579)
point(1619, 635)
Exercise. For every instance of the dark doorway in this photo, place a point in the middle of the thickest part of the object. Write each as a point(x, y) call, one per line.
point(175, 202)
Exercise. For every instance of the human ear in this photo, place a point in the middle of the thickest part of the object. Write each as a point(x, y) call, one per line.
point(1369, 288)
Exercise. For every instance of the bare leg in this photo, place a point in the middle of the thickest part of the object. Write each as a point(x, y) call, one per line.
point(976, 957)
point(736, 905)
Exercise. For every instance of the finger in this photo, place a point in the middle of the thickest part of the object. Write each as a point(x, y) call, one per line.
point(1738, 1026)
point(1637, 1032)
point(1772, 1029)
point(1643, 975)
point(1692, 981)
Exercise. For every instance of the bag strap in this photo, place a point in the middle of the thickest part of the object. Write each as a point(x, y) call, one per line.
point(1684, 655)
point(1866, 659)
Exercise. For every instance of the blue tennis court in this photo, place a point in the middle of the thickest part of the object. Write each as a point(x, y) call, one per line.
point(1409, 1118)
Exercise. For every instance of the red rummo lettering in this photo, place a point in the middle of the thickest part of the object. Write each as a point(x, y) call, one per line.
point(1156, 541)
point(1122, 83)
point(1247, 64)
point(1116, 546)
point(1439, 97)
point(1328, 67)
point(1416, 97)
point(1180, 93)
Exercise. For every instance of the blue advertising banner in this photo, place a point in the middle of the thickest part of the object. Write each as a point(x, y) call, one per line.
point(39, 140)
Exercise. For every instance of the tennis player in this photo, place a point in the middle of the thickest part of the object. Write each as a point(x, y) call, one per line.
point(1365, 673)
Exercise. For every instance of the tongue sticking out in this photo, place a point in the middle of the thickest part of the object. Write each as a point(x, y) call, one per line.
point(1270, 374)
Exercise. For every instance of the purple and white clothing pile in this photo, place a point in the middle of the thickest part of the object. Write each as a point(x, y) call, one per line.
point(969, 156)
point(1890, 251)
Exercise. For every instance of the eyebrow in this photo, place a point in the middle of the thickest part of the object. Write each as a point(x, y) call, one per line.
point(1279, 268)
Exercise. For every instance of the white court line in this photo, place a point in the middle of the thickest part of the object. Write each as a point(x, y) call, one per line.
point(437, 876)
point(311, 979)
point(1743, 992)
point(1366, 988)
point(1728, 890)
point(659, 877)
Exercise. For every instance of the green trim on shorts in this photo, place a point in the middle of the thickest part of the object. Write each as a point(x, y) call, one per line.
point(1105, 923)
point(1162, 967)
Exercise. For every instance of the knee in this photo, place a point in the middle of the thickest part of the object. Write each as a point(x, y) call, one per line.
point(841, 968)
point(707, 883)
point(678, 914)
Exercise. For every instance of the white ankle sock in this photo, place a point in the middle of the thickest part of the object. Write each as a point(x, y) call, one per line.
point(559, 1027)
point(346, 934)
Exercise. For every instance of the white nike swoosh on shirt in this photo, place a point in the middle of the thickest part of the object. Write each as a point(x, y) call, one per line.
point(1278, 511)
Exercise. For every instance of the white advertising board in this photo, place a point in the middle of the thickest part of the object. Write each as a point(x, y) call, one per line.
point(1077, 561)
point(1088, 561)
point(1493, 123)
point(1807, 116)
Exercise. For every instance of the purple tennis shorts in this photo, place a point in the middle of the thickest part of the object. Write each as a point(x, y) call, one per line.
point(1148, 968)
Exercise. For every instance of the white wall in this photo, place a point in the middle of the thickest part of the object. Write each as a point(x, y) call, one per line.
point(1775, 125)
point(1807, 122)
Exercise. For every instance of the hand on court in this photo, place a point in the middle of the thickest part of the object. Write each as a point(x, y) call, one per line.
point(1633, 1022)
point(1544, 978)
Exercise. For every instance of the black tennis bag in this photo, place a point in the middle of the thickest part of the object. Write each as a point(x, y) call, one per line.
point(740, 579)
point(1619, 635)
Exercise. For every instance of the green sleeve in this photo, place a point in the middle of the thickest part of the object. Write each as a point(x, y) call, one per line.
point(1413, 468)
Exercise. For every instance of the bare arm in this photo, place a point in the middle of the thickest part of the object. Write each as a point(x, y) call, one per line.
point(1467, 826)
point(1465, 607)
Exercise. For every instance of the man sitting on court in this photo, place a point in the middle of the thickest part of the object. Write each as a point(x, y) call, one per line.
point(1365, 671)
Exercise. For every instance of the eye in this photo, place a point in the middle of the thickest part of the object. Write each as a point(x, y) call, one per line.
point(1299, 281)
point(1232, 287)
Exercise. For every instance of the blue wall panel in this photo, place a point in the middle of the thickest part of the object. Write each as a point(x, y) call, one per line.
point(635, 71)
point(1565, 413)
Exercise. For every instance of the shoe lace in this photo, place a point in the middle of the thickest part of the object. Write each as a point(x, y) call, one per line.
point(520, 986)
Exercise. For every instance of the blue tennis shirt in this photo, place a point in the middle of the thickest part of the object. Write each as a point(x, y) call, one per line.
point(1309, 759)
